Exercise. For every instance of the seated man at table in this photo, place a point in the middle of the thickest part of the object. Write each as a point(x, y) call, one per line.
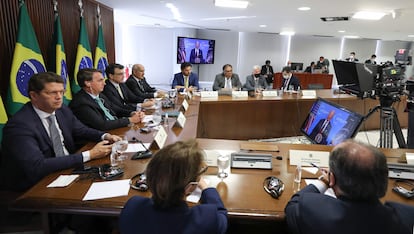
point(173, 173)
point(255, 81)
point(95, 109)
point(358, 175)
point(138, 84)
point(227, 80)
point(124, 101)
point(185, 80)
point(289, 82)
point(41, 137)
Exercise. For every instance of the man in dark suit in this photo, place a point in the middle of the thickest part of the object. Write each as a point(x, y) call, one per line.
point(95, 109)
point(41, 137)
point(124, 101)
point(352, 57)
point(289, 80)
point(267, 72)
point(371, 60)
point(358, 176)
point(185, 80)
point(322, 129)
point(196, 55)
point(138, 84)
point(227, 79)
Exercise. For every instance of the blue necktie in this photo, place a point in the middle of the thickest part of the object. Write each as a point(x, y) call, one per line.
point(54, 136)
point(104, 109)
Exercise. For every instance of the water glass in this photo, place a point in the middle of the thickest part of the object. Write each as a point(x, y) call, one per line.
point(223, 162)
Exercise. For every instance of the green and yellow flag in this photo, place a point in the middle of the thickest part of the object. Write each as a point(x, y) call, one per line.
point(58, 59)
point(3, 118)
point(27, 61)
point(83, 55)
point(101, 59)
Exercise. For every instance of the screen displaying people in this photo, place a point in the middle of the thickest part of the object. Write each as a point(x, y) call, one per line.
point(195, 50)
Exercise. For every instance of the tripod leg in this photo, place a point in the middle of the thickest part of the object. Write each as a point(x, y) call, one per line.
point(397, 130)
point(410, 134)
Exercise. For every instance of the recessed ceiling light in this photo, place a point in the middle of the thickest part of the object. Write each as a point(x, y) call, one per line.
point(174, 10)
point(304, 8)
point(231, 3)
point(287, 33)
point(263, 25)
point(410, 35)
point(341, 31)
point(351, 37)
point(368, 15)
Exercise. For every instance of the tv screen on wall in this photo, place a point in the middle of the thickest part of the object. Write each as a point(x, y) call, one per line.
point(195, 50)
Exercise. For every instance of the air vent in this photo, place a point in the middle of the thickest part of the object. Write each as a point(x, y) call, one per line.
point(336, 18)
point(219, 29)
point(270, 33)
point(322, 36)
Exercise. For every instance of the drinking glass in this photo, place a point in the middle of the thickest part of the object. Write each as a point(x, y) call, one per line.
point(172, 93)
point(120, 147)
point(223, 162)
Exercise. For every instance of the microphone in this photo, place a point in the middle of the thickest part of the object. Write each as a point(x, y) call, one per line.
point(142, 154)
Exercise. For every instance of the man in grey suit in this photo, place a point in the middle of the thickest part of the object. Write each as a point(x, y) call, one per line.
point(227, 80)
point(255, 81)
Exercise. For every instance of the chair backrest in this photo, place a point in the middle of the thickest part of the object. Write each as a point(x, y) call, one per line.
point(315, 86)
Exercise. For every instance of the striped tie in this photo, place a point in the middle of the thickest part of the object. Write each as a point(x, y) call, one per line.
point(55, 136)
point(104, 109)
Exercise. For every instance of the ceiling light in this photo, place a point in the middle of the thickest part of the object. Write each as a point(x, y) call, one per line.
point(231, 3)
point(263, 25)
point(410, 35)
point(351, 37)
point(304, 8)
point(174, 10)
point(287, 33)
point(341, 31)
point(368, 15)
point(228, 18)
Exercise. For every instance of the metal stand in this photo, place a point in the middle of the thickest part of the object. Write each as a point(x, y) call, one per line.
point(389, 124)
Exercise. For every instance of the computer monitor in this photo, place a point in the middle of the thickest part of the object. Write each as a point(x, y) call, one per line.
point(330, 124)
point(296, 66)
point(356, 78)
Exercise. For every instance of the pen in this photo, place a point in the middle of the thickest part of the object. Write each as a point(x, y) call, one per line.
point(314, 165)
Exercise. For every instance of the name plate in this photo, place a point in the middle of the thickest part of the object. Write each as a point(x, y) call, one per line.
point(239, 93)
point(269, 93)
point(181, 120)
point(160, 137)
point(209, 94)
point(309, 93)
point(184, 104)
point(305, 157)
point(210, 157)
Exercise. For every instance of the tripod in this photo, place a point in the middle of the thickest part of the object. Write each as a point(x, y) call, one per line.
point(389, 123)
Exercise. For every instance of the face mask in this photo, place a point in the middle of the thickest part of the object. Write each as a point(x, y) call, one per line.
point(286, 76)
point(372, 60)
point(256, 75)
point(351, 56)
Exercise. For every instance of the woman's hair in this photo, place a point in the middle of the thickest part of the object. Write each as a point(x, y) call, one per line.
point(171, 169)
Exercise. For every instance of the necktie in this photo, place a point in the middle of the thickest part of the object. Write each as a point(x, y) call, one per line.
point(55, 137)
point(141, 86)
point(186, 81)
point(228, 83)
point(119, 91)
point(104, 109)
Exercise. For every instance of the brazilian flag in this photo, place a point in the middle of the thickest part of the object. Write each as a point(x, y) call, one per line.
point(83, 55)
point(3, 118)
point(58, 59)
point(101, 59)
point(27, 61)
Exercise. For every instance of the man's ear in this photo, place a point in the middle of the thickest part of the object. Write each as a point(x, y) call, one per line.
point(33, 95)
point(332, 180)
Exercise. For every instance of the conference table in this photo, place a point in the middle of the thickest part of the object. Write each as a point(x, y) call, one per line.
point(242, 191)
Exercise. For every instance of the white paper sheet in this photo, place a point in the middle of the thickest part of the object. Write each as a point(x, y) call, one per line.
point(135, 147)
point(63, 181)
point(107, 189)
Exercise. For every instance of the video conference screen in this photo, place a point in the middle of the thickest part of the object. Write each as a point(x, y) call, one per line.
point(330, 124)
point(195, 50)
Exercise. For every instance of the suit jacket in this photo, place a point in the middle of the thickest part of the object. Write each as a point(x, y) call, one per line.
point(179, 80)
point(250, 83)
point(28, 154)
point(322, 139)
point(269, 77)
point(145, 92)
point(140, 216)
point(369, 61)
point(89, 112)
point(219, 82)
point(293, 81)
point(193, 56)
point(354, 60)
point(122, 106)
point(310, 212)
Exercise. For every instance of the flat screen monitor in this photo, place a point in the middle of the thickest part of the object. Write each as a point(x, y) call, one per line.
point(356, 78)
point(195, 50)
point(330, 124)
point(296, 66)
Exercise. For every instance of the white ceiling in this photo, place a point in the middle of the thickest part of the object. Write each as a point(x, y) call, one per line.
point(278, 15)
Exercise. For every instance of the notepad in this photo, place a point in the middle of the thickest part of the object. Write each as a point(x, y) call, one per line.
point(63, 181)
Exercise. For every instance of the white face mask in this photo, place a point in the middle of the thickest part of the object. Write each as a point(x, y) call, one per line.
point(286, 76)
point(351, 56)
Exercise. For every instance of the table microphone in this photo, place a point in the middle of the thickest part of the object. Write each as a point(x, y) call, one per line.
point(142, 154)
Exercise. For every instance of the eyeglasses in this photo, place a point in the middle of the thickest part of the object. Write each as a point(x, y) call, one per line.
point(228, 70)
point(120, 73)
